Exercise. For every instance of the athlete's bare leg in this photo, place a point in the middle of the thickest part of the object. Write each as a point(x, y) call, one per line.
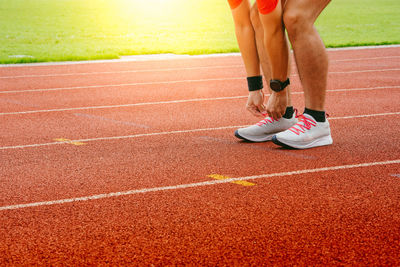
point(278, 53)
point(259, 36)
point(262, 53)
point(309, 51)
point(245, 36)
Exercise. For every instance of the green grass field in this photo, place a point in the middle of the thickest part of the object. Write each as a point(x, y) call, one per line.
point(61, 30)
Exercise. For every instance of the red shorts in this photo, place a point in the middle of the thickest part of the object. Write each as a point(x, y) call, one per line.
point(264, 6)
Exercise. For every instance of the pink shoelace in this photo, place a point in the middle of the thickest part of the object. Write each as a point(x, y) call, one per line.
point(303, 125)
point(271, 120)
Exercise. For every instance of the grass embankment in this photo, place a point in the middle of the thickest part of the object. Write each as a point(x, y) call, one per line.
point(62, 30)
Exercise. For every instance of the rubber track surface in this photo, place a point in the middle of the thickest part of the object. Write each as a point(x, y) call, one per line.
point(136, 163)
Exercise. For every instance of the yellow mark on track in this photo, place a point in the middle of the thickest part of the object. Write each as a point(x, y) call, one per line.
point(221, 177)
point(69, 141)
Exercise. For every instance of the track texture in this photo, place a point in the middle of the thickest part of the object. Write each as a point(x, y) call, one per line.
point(136, 163)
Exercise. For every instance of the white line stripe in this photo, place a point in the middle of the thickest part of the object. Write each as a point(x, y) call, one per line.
point(364, 116)
point(361, 59)
point(123, 137)
point(175, 132)
point(361, 71)
point(122, 71)
point(192, 185)
point(168, 69)
point(124, 105)
point(180, 101)
point(120, 85)
point(170, 57)
point(169, 82)
point(363, 47)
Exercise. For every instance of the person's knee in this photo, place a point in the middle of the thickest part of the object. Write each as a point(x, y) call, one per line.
point(295, 22)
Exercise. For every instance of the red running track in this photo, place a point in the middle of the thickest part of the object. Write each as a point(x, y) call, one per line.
point(117, 163)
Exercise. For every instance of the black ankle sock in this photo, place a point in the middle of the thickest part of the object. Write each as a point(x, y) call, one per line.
point(319, 116)
point(289, 112)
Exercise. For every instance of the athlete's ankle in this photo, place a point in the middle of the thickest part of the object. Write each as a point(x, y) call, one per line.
point(288, 113)
point(319, 116)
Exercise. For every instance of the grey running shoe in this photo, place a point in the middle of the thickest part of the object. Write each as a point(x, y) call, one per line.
point(307, 133)
point(265, 129)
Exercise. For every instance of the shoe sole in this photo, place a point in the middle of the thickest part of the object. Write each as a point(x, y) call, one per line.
point(323, 141)
point(267, 138)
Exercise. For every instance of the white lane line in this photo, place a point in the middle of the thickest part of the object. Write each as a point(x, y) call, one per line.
point(124, 137)
point(124, 105)
point(120, 85)
point(180, 101)
point(361, 59)
point(175, 132)
point(193, 185)
point(361, 71)
point(171, 82)
point(168, 69)
point(122, 71)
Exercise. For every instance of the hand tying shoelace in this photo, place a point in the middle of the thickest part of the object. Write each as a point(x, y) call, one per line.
point(271, 120)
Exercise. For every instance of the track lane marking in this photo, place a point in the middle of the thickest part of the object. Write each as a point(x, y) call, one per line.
point(222, 177)
point(177, 132)
point(124, 105)
point(119, 85)
point(193, 185)
point(171, 82)
point(169, 69)
point(123, 71)
point(182, 101)
point(69, 141)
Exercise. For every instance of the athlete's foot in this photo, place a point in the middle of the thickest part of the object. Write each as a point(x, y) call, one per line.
point(265, 129)
point(307, 133)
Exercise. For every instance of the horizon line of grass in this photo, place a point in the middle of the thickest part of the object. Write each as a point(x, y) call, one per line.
point(29, 59)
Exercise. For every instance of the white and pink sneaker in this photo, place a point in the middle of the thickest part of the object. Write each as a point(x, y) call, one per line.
point(265, 129)
point(307, 133)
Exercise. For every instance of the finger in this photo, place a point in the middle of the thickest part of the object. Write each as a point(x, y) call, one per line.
point(262, 109)
point(256, 112)
point(279, 115)
point(252, 110)
point(269, 114)
point(275, 115)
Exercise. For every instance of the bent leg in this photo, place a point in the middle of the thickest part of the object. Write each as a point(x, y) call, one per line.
point(259, 36)
point(274, 37)
point(261, 49)
point(245, 36)
point(309, 50)
point(278, 53)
